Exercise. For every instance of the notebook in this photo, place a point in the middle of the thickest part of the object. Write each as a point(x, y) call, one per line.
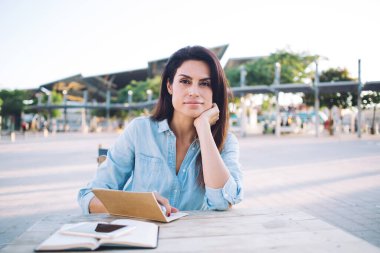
point(144, 235)
point(141, 205)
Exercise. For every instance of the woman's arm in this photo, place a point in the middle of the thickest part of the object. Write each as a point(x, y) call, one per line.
point(113, 173)
point(215, 172)
point(221, 171)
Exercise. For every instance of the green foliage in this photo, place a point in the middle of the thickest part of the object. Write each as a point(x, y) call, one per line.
point(335, 74)
point(233, 76)
point(346, 99)
point(267, 105)
point(342, 100)
point(294, 68)
point(56, 99)
point(12, 104)
point(139, 90)
point(260, 71)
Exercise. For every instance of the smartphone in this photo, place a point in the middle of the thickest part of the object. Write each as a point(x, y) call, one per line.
point(97, 230)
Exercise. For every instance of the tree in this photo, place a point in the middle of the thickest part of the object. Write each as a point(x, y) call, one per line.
point(139, 89)
point(233, 76)
point(342, 100)
point(335, 74)
point(56, 99)
point(12, 105)
point(346, 99)
point(294, 69)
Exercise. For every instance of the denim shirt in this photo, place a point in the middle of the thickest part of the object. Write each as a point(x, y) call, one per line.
point(143, 159)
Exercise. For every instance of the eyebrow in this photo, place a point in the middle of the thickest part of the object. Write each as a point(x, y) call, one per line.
point(203, 79)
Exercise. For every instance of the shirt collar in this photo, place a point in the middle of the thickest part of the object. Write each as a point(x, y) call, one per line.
point(163, 126)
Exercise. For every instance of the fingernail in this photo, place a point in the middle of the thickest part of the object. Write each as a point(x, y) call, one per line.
point(168, 214)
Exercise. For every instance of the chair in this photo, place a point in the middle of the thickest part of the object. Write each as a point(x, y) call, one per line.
point(102, 154)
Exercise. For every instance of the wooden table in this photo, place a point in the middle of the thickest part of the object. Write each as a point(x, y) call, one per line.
point(236, 230)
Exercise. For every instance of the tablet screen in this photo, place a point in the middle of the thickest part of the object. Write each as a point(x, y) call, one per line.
point(97, 230)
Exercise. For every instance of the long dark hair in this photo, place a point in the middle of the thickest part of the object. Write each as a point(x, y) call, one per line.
point(164, 108)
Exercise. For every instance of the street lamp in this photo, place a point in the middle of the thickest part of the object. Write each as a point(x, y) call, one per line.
point(64, 92)
point(130, 94)
point(243, 74)
point(149, 93)
point(277, 73)
point(39, 98)
point(276, 81)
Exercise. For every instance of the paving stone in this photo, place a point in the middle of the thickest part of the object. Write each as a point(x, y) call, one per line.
point(336, 179)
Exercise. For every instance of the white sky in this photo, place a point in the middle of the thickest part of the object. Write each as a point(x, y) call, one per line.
point(46, 40)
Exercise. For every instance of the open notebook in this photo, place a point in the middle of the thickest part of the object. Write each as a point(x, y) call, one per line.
point(134, 204)
point(144, 235)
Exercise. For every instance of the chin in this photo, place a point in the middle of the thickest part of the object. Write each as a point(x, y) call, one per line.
point(192, 113)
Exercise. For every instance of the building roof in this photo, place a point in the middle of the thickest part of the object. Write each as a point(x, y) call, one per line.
point(121, 79)
point(236, 62)
point(373, 86)
point(157, 67)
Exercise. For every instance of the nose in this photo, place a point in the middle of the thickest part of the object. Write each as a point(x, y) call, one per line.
point(193, 91)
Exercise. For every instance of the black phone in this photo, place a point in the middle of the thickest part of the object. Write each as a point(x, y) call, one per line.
point(107, 228)
point(98, 229)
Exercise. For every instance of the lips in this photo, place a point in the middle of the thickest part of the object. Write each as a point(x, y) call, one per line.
point(193, 103)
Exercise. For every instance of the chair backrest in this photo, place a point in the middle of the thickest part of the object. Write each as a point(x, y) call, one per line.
point(102, 154)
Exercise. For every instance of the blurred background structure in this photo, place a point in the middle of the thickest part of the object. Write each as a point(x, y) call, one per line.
point(291, 71)
point(275, 94)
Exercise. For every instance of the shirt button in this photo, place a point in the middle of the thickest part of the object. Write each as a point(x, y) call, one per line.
point(225, 195)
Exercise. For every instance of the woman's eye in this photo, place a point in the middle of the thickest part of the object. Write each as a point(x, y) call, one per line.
point(185, 81)
point(205, 83)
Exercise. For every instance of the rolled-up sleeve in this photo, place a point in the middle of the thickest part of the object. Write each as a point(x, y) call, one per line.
point(115, 171)
point(232, 191)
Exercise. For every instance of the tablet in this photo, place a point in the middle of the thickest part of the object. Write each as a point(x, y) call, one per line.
point(97, 230)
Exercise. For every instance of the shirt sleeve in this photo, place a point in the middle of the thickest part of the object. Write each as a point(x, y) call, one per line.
point(232, 191)
point(115, 171)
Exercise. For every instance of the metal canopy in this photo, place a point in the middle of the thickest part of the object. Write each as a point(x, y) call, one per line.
point(257, 89)
point(373, 86)
point(333, 87)
point(324, 88)
point(293, 88)
point(139, 105)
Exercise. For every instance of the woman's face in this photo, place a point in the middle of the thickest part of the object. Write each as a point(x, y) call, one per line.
point(191, 89)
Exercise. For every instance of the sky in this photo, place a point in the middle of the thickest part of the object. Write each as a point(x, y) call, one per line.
point(46, 40)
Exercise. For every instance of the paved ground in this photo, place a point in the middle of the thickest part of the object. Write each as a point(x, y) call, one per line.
point(336, 179)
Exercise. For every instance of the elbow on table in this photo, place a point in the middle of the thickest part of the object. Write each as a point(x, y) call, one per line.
point(220, 206)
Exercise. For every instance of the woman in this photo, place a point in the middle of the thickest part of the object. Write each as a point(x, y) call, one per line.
point(183, 152)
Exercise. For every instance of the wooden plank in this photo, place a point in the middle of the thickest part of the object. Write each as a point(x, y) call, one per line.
point(235, 230)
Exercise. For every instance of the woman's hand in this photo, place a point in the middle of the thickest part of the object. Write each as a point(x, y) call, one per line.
point(96, 206)
point(165, 202)
point(209, 116)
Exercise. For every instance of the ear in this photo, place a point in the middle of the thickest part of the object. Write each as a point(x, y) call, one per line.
point(169, 87)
